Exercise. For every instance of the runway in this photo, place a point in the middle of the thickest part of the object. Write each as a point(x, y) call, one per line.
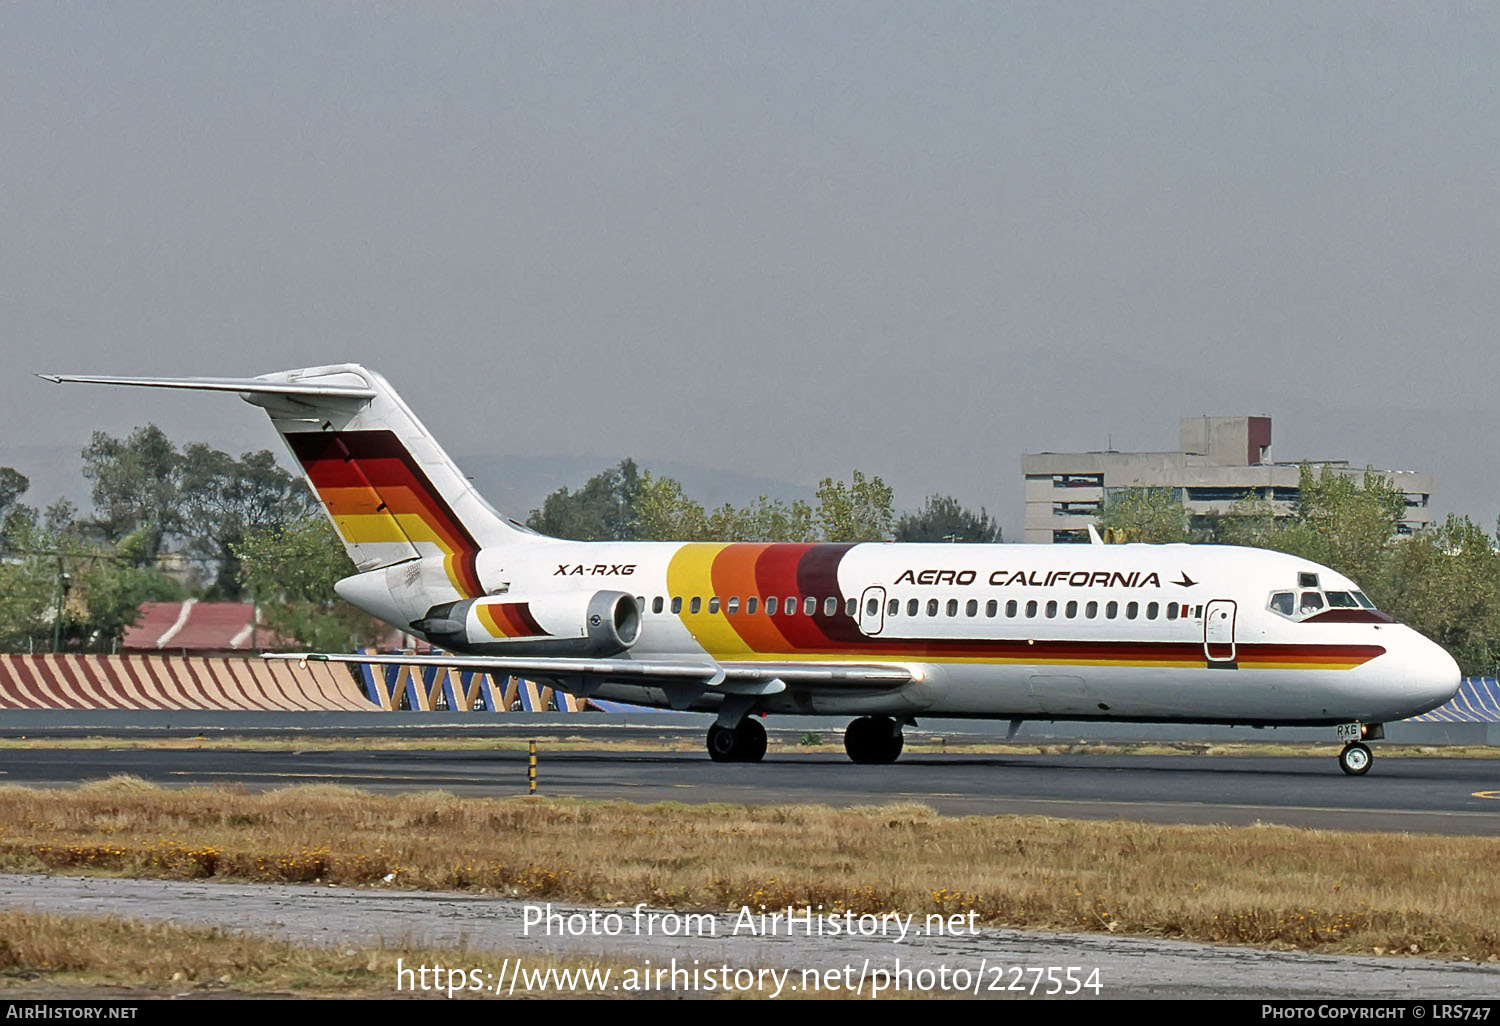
point(1417, 795)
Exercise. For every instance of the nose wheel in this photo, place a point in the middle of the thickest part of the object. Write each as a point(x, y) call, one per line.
point(1355, 759)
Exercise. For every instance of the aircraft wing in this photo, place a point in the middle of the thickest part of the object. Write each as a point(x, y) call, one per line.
point(736, 677)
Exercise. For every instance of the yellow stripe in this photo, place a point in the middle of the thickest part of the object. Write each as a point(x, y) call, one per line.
point(690, 574)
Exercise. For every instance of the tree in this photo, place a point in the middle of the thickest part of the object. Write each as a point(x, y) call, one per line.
point(941, 518)
point(664, 512)
point(291, 570)
point(858, 511)
point(220, 499)
point(1155, 515)
point(1342, 523)
point(13, 485)
point(764, 520)
point(136, 484)
point(1445, 582)
point(602, 510)
point(101, 593)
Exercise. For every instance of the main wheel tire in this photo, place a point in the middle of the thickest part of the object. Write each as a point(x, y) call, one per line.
point(749, 741)
point(1355, 759)
point(723, 745)
point(872, 740)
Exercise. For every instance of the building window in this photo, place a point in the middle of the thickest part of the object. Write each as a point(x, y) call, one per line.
point(1070, 537)
point(1077, 480)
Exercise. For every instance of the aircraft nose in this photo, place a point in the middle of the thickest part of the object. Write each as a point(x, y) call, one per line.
point(1432, 675)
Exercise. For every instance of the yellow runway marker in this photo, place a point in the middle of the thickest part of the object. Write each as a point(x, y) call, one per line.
point(1493, 796)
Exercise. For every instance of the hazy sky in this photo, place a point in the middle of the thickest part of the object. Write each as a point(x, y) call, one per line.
point(780, 240)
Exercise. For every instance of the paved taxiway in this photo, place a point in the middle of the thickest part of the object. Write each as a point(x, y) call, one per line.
point(1420, 795)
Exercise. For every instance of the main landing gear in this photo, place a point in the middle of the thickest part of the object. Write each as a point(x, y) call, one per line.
point(745, 743)
point(874, 739)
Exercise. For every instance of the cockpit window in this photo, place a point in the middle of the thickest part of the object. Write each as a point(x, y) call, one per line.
point(1302, 605)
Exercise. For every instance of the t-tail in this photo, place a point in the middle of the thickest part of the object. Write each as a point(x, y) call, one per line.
point(390, 490)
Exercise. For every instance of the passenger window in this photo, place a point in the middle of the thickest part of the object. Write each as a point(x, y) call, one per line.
point(695, 605)
point(1310, 602)
point(1171, 610)
point(1111, 610)
point(1031, 608)
point(1052, 609)
point(713, 604)
point(971, 608)
point(830, 606)
point(851, 607)
point(732, 605)
point(1071, 610)
point(872, 607)
point(677, 603)
point(991, 607)
point(1131, 609)
point(1091, 610)
point(1010, 608)
point(789, 607)
point(953, 607)
point(810, 606)
point(911, 607)
point(1284, 602)
point(751, 604)
point(932, 607)
point(893, 607)
point(656, 604)
point(1152, 608)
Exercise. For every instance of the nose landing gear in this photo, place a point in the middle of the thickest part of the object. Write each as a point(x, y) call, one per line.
point(1355, 759)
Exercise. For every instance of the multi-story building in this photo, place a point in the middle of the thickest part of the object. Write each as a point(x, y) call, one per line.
point(1220, 461)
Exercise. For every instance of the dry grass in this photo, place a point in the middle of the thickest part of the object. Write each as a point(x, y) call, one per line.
point(1264, 885)
point(44, 955)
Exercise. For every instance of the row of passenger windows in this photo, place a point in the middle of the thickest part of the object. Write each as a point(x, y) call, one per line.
point(1052, 609)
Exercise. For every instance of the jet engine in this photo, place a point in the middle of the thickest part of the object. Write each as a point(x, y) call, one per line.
point(605, 623)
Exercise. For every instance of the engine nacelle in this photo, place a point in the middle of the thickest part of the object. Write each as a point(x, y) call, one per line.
point(602, 624)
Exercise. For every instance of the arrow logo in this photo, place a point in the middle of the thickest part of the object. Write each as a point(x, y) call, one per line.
point(1186, 582)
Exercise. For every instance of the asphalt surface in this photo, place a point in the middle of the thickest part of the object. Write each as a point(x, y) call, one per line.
point(1417, 795)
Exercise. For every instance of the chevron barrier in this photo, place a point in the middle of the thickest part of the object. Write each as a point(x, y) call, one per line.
point(1477, 701)
point(176, 683)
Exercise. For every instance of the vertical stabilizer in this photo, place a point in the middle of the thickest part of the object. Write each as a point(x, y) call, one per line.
point(391, 492)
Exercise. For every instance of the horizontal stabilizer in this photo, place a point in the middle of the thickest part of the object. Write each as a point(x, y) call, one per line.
point(258, 386)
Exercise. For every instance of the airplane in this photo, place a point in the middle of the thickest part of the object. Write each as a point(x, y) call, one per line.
point(881, 632)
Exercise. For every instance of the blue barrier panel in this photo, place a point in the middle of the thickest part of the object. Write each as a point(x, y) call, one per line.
point(1477, 701)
